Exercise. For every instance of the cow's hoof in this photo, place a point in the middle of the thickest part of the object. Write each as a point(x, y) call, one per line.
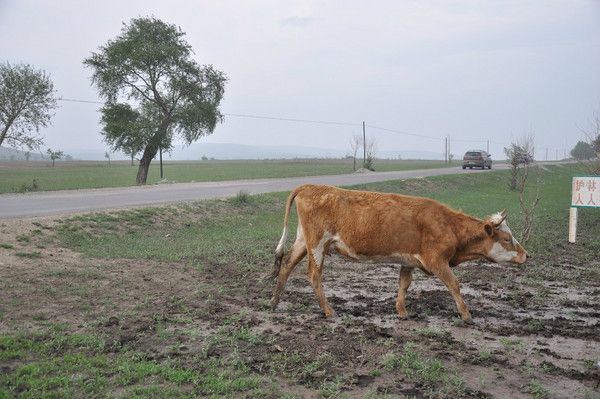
point(469, 321)
point(329, 313)
point(403, 315)
point(274, 303)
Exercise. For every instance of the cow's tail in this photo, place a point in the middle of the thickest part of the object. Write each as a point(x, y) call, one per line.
point(280, 250)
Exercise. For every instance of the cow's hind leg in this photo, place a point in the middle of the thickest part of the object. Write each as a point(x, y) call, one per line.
point(315, 272)
point(404, 283)
point(293, 257)
point(444, 273)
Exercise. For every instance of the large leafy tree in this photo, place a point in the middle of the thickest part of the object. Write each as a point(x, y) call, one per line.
point(154, 90)
point(123, 129)
point(583, 150)
point(27, 98)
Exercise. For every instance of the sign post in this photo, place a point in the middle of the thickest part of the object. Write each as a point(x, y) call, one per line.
point(585, 193)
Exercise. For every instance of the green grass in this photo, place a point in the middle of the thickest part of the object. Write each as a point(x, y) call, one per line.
point(16, 177)
point(61, 365)
point(537, 390)
point(436, 380)
point(29, 255)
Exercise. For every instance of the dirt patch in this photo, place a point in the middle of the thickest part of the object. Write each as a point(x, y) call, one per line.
point(529, 337)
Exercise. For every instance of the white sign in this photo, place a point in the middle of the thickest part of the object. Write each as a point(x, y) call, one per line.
point(586, 192)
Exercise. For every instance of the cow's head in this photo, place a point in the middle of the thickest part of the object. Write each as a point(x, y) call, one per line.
point(501, 246)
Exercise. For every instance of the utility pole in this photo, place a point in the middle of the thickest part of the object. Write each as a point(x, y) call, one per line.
point(546, 154)
point(446, 150)
point(488, 146)
point(364, 146)
point(160, 155)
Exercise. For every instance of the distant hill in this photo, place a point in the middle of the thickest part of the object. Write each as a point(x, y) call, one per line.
point(241, 151)
point(11, 154)
point(16, 155)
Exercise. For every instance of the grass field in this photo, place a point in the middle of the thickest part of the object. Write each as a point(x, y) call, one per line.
point(172, 302)
point(19, 176)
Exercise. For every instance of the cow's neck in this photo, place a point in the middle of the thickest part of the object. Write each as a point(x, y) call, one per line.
point(466, 229)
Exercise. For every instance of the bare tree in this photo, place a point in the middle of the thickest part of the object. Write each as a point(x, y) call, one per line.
point(520, 156)
point(528, 205)
point(355, 144)
point(54, 155)
point(592, 134)
point(371, 147)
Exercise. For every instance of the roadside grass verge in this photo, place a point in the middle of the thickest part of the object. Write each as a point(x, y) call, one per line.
point(37, 176)
point(217, 231)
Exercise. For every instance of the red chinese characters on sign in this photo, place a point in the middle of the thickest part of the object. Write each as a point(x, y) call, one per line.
point(591, 186)
point(586, 191)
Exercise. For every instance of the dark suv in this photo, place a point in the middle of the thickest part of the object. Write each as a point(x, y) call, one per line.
point(477, 158)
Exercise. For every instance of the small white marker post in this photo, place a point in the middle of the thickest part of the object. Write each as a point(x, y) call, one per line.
point(572, 224)
point(585, 193)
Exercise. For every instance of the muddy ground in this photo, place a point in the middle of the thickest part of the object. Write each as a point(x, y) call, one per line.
point(532, 337)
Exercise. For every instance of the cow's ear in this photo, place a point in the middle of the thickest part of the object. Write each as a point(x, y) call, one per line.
point(489, 229)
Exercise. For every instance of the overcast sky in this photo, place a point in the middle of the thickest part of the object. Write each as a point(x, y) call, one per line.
point(471, 70)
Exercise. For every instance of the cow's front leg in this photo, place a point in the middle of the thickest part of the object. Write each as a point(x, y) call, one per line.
point(404, 282)
point(315, 272)
point(444, 273)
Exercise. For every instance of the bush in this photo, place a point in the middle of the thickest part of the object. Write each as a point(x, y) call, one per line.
point(29, 187)
point(242, 197)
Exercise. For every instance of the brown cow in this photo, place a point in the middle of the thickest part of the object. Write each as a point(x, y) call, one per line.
point(391, 228)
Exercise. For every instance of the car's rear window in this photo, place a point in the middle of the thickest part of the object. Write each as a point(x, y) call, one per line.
point(473, 154)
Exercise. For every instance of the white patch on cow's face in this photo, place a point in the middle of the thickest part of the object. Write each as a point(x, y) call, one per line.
point(499, 254)
point(504, 227)
point(495, 219)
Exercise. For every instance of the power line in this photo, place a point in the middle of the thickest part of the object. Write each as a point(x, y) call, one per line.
point(245, 115)
point(405, 133)
point(293, 119)
point(469, 140)
point(72, 100)
point(315, 121)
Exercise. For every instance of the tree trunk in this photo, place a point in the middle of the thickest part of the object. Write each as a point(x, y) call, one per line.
point(151, 150)
point(131, 159)
point(513, 177)
point(52, 162)
point(149, 153)
point(3, 134)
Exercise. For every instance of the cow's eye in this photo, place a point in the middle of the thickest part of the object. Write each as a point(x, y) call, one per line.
point(507, 240)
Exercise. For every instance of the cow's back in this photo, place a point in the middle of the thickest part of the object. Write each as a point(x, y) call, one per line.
point(369, 223)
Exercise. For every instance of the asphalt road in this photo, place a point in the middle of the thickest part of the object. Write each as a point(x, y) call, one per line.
point(79, 201)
